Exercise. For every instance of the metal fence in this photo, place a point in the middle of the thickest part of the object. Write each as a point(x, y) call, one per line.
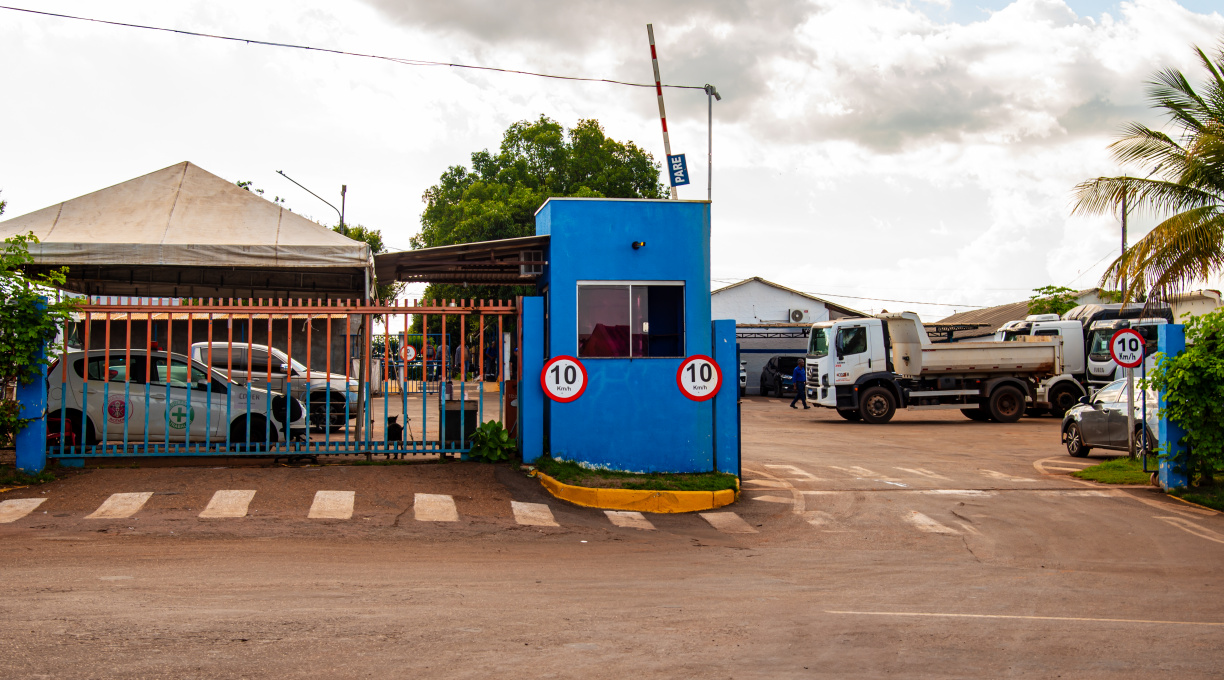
point(280, 377)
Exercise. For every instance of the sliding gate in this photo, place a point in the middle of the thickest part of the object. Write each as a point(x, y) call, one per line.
point(280, 377)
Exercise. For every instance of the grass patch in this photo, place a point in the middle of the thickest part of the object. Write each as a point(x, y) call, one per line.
point(1116, 471)
point(1210, 496)
point(12, 477)
point(573, 473)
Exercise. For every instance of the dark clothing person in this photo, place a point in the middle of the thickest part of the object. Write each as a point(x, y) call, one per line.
point(799, 379)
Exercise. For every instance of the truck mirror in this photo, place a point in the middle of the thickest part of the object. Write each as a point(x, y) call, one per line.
point(283, 368)
point(1083, 400)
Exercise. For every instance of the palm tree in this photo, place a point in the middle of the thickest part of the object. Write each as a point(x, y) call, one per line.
point(1189, 184)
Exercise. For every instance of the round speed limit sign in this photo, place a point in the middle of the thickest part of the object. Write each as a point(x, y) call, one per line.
point(699, 377)
point(409, 353)
point(1126, 348)
point(564, 378)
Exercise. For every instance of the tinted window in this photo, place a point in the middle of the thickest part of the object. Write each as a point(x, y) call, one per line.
point(1110, 393)
point(787, 364)
point(852, 340)
point(818, 347)
point(115, 368)
point(639, 320)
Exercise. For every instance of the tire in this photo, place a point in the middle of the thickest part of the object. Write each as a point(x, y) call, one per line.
point(238, 432)
point(877, 405)
point(1074, 440)
point(850, 414)
point(764, 390)
point(1006, 404)
point(1061, 399)
point(318, 410)
point(778, 388)
point(279, 405)
point(976, 414)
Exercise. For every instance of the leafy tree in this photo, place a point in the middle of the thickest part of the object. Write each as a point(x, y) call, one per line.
point(373, 238)
point(1193, 383)
point(1189, 183)
point(31, 320)
point(249, 187)
point(1052, 300)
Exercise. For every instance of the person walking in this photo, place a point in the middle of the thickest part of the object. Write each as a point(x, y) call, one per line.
point(799, 379)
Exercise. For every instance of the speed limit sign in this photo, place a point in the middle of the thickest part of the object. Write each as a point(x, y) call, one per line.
point(1126, 348)
point(408, 352)
point(564, 378)
point(699, 377)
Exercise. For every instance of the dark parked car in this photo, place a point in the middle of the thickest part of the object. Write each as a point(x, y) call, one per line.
point(1100, 423)
point(776, 376)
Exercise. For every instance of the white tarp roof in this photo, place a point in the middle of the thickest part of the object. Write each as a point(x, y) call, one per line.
point(182, 216)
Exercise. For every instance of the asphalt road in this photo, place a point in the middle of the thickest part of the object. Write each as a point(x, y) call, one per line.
point(930, 547)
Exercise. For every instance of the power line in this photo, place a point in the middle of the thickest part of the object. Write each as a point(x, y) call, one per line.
point(904, 302)
point(397, 60)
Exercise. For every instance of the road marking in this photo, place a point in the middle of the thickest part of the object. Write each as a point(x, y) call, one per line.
point(228, 504)
point(821, 493)
point(1105, 493)
point(923, 523)
point(529, 514)
point(121, 505)
point(1185, 511)
point(774, 499)
point(629, 519)
point(767, 483)
point(969, 528)
point(923, 472)
point(885, 481)
point(332, 505)
point(956, 492)
point(1065, 469)
point(434, 507)
point(728, 522)
point(1192, 528)
point(999, 475)
point(11, 511)
point(817, 518)
point(1026, 618)
point(854, 471)
point(800, 474)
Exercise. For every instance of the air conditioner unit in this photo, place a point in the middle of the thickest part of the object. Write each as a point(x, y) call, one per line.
point(799, 316)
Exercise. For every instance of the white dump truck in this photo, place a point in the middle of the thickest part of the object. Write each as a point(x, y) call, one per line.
point(867, 368)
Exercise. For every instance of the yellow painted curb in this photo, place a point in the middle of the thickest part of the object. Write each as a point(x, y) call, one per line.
point(14, 488)
point(1197, 505)
point(641, 501)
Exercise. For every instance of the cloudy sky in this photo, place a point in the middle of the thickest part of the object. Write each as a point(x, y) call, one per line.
point(868, 151)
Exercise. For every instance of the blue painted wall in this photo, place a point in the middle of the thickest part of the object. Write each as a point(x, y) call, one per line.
point(530, 393)
point(632, 415)
point(726, 402)
point(1171, 341)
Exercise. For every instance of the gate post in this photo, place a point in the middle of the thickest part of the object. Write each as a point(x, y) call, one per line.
point(32, 439)
point(726, 401)
point(1171, 341)
point(530, 394)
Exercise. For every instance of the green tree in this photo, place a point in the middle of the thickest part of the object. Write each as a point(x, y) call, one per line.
point(30, 321)
point(373, 238)
point(1193, 383)
point(1189, 184)
point(1052, 300)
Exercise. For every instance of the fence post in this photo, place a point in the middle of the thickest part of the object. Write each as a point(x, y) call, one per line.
point(726, 401)
point(530, 394)
point(1171, 341)
point(31, 440)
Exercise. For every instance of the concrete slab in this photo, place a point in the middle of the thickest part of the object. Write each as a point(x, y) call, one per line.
point(11, 511)
point(728, 522)
point(228, 503)
point(533, 514)
point(629, 519)
point(121, 505)
point(432, 507)
point(333, 505)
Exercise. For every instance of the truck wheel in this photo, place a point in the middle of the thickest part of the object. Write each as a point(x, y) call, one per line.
point(1075, 441)
point(1006, 404)
point(259, 431)
point(976, 414)
point(850, 414)
point(1061, 399)
point(764, 389)
point(877, 405)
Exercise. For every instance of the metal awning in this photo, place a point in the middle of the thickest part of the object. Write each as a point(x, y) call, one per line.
point(505, 262)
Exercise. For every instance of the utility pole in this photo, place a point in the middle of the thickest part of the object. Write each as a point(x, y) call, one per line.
point(711, 95)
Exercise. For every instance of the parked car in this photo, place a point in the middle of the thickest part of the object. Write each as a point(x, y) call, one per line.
point(1100, 422)
point(776, 376)
point(323, 392)
point(183, 401)
point(743, 378)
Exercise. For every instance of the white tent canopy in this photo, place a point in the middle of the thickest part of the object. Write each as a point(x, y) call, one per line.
point(182, 231)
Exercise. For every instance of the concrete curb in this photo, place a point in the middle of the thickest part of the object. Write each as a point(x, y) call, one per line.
point(641, 501)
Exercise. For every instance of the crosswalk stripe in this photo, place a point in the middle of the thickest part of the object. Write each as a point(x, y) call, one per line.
point(774, 499)
point(924, 523)
point(332, 505)
point(728, 522)
point(432, 507)
point(228, 503)
point(1003, 477)
point(629, 519)
point(121, 505)
point(531, 514)
point(15, 509)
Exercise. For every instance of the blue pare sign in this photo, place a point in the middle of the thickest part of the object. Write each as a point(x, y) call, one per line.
point(679, 170)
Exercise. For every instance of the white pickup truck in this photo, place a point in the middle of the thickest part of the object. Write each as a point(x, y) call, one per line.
point(867, 368)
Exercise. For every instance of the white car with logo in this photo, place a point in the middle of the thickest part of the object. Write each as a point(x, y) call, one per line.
point(184, 402)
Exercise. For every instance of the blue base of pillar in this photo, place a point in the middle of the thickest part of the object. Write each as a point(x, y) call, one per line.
point(71, 462)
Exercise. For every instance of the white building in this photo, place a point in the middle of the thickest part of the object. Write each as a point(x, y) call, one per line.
point(771, 320)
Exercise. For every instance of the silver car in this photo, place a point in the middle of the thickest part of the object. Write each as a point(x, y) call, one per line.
point(137, 396)
point(1101, 422)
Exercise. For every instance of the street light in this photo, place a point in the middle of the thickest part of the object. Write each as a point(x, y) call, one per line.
point(343, 191)
point(711, 95)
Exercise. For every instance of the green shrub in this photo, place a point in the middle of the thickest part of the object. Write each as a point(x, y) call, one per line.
point(491, 443)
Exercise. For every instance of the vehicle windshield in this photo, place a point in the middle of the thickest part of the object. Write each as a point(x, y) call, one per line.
point(818, 347)
point(280, 356)
point(1098, 347)
point(1013, 334)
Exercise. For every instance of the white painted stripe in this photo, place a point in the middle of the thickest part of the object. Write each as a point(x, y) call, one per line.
point(774, 499)
point(629, 519)
point(924, 523)
point(228, 504)
point(1000, 476)
point(770, 483)
point(1028, 618)
point(1106, 493)
point(332, 505)
point(799, 474)
point(728, 522)
point(431, 507)
point(15, 509)
point(1065, 469)
point(1195, 529)
point(924, 473)
point(121, 505)
point(529, 514)
point(957, 492)
point(822, 493)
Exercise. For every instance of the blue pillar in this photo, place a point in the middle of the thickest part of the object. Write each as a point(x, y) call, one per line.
point(1171, 341)
point(726, 402)
point(531, 395)
point(32, 439)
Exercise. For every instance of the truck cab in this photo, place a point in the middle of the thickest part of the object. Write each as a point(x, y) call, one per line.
point(1101, 367)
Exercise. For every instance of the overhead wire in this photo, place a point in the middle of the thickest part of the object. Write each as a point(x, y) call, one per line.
point(311, 48)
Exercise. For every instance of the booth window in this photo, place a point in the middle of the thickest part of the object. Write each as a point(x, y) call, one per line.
point(631, 320)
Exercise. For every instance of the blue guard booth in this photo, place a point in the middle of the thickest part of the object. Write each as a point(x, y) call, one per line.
point(625, 291)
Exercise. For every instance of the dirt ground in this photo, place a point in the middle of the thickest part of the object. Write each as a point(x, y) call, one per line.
point(930, 547)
